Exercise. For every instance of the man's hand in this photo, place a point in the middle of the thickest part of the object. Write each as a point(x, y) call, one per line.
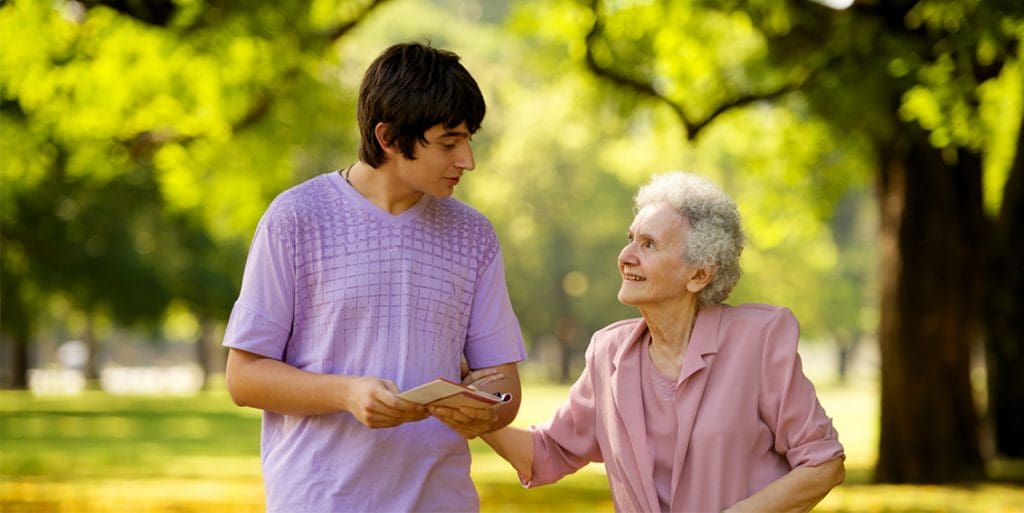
point(375, 403)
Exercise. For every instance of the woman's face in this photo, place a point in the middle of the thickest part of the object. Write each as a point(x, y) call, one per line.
point(651, 265)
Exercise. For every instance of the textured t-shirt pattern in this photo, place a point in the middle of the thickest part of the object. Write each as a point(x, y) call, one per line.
point(365, 283)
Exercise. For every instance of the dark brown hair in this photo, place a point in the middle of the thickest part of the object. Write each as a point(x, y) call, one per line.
point(412, 87)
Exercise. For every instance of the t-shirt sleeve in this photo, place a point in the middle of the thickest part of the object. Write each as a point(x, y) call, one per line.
point(788, 403)
point(261, 319)
point(493, 336)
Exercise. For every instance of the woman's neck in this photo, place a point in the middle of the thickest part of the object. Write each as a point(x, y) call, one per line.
point(670, 328)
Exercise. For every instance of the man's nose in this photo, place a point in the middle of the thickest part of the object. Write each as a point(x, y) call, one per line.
point(465, 160)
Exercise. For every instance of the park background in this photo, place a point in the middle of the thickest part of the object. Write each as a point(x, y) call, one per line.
point(874, 150)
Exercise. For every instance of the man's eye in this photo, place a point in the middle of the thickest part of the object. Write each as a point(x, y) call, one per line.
point(649, 244)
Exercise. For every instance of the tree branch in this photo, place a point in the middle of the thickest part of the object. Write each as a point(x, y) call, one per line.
point(622, 80)
point(144, 144)
point(692, 128)
point(337, 32)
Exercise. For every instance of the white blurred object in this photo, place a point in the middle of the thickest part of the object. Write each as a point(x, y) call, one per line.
point(171, 380)
point(56, 381)
point(73, 354)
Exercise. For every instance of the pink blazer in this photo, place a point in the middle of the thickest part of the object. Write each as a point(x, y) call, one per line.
point(746, 413)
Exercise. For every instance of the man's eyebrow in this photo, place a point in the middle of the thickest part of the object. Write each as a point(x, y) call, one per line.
point(454, 133)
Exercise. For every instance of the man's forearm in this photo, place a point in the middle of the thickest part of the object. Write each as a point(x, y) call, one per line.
point(275, 386)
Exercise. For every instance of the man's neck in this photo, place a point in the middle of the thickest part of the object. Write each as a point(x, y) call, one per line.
point(382, 189)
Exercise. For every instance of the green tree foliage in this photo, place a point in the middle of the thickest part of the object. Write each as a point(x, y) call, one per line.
point(142, 140)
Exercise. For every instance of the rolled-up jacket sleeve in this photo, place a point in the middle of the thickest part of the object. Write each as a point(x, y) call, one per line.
point(568, 441)
point(788, 403)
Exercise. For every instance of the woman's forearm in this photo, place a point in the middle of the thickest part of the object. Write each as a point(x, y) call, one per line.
point(515, 445)
point(796, 492)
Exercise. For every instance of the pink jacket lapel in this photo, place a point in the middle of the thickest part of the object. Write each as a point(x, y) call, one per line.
point(700, 354)
point(625, 389)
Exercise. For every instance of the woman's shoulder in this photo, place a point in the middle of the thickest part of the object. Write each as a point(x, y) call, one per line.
point(617, 328)
point(755, 313)
point(612, 336)
point(758, 324)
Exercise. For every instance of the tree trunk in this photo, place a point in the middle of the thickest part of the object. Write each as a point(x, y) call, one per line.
point(932, 226)
point(210, 355)
point(88, 336)
point(846, 346)
point(1004, 301)
point(14, 371)
point(566, 328)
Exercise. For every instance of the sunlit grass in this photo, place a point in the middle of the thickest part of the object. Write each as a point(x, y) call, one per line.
point(99, 453)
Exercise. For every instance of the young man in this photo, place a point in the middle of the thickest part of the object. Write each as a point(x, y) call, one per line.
point(365, 282)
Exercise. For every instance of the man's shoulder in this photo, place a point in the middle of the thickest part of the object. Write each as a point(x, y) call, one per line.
point(303, 204)
point(308, 196)
point(463, 223)
point(457, 211)
point(305, 193)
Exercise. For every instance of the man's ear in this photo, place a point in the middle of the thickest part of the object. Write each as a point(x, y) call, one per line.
point(381, 133)
point(700, 278)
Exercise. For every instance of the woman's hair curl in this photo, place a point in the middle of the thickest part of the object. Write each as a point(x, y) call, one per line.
point(715, 235)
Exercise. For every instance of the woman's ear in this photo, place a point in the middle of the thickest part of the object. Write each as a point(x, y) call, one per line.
point(382, 132)
point(700, 278)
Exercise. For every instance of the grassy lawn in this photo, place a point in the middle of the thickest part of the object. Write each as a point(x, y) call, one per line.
point(98, 453)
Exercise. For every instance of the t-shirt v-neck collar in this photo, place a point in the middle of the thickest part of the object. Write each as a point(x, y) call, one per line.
point(372, 209)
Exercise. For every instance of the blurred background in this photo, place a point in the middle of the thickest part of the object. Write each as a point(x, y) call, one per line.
point(874, 149)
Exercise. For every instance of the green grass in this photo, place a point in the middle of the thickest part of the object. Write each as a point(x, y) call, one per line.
point(100, 453)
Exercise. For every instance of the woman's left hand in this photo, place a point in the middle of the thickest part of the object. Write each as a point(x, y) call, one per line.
point(479, 378)
point(470, 422)
point(467, 422)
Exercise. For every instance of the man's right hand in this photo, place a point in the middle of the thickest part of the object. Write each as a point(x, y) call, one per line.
point(374, 402)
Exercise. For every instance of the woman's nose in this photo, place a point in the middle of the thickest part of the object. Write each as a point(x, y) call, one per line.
point(626, 255)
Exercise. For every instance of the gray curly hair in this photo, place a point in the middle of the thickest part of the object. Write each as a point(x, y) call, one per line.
point(716, 237)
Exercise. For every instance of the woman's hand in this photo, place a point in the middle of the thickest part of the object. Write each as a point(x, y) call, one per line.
point(479, 378)
point(467, 422)
point(471, 422)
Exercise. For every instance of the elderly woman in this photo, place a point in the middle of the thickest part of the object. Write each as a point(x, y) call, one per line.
point(697, 405)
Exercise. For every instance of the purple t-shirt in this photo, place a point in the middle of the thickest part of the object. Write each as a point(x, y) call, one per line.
point(333, 284)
